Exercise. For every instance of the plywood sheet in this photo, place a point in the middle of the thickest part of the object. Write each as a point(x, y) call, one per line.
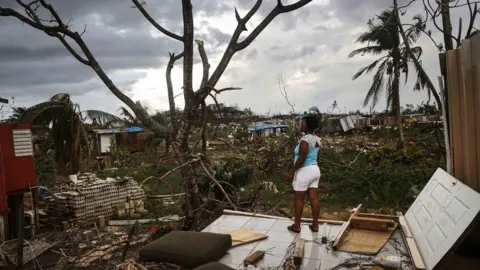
point(245, 236)
point(365, 241)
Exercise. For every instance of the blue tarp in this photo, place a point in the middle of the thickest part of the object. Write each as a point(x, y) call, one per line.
point(263, 126)
point(133, 129)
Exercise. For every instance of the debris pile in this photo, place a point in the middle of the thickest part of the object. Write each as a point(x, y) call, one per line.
point(83, 202)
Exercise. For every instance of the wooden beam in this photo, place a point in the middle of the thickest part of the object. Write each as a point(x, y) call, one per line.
point(247, 214)
point(254, 258)
point(468, 114)
point(411, 245)
point(298, 251)
point(453, 74)
point(378, 216)
point(339, 237)
point(475, 42)
point(373, 224)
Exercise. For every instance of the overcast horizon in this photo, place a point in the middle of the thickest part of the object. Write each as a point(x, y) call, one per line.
point(308, 47)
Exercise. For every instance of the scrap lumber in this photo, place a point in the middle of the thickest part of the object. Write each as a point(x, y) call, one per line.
point(379, 216)
point(410, 241)
point(344, 228)
point(468, 110)
point(254, 258)
point(454, 106)
point(245, 236)
point(475, 42)
point(298, 251)
point(247, 214)
point(374, 224)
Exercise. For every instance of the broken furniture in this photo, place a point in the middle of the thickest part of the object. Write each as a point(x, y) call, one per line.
point(188, 249)
point(435, 224)
point(365, 233)
point(214, 266)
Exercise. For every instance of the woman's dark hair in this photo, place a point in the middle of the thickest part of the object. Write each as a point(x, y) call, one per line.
point(311, 121)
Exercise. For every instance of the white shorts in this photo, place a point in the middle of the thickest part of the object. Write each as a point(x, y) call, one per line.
point(306, 177)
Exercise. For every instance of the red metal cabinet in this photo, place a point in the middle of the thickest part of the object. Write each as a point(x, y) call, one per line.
point(17, 166)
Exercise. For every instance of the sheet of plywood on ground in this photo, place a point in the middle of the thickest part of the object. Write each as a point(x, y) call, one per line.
point(469, 147)
point(365, 241)
point(338, 238)
point(411, 245)
point(454, 115)
point(475, 42)
point(245, 236)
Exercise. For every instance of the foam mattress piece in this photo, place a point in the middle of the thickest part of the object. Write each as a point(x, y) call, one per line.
point(214, 266)
point(188, 249)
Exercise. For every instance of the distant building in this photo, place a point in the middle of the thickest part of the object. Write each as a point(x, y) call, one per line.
point(263, 129)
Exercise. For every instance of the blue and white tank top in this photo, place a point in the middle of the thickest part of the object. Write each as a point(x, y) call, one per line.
point(312, 140)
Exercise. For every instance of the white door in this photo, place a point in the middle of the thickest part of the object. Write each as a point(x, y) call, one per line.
point(105, 143)
point(440, 215)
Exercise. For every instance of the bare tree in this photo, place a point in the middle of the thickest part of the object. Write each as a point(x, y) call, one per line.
point(60, 29)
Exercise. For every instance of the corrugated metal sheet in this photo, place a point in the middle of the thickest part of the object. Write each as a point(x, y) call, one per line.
point(22, 142)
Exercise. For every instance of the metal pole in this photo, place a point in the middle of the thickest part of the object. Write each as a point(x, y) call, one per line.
point(20, 232)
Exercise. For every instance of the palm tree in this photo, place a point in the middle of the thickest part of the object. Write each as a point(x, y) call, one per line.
point(68, 131)
point(17, 112)
point(383, 38)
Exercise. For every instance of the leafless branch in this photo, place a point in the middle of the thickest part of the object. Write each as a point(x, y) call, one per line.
point(218, 185)
point(171, 98)
point(206, 65)
point(234, 44)
point(473, 15)
point(153, 22)
point(283, 90)
point(61, 31)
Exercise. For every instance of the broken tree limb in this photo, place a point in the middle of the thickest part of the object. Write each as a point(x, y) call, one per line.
point(153, 22)
point(218, 185)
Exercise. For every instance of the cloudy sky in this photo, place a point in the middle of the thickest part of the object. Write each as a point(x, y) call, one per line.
point(308, 48)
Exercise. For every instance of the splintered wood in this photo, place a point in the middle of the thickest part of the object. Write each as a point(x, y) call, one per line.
point(365, 233)
point(254, 258)
point(245, 236)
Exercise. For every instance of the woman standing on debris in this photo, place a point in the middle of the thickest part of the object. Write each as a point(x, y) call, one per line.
point(306, 173)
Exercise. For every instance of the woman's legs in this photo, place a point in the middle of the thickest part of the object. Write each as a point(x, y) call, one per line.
point(298, 206)
point(312, 195)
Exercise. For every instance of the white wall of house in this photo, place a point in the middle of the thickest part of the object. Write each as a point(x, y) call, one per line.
point(105, 143)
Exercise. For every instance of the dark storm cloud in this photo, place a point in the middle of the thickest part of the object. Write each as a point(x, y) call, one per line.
point(117, 34)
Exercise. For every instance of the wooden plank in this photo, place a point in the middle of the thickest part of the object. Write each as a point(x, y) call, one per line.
point(379, 216)
point(475, 42)
point(469, 147)
point(374, 224)
point(298, 251)
point(254, 258)
point(411, 245)
point(338, 238)
point(454, 109)
point(247, 214)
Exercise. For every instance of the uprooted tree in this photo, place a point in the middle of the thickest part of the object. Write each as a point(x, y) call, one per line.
point(178, 132)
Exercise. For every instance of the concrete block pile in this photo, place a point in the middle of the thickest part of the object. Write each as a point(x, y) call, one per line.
point(82, 203)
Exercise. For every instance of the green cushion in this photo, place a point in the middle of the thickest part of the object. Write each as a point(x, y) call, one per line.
point(188, 249)
point(214, 266)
